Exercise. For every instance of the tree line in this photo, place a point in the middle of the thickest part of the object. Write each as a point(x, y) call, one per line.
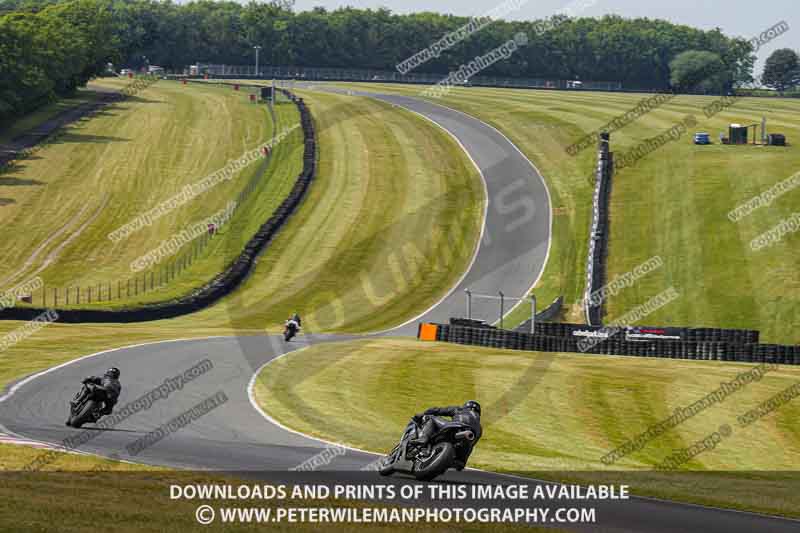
point(49, 47)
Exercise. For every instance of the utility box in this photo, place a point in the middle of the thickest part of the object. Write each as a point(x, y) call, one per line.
point(267, 93)
point(738, 134)
point(776, 139)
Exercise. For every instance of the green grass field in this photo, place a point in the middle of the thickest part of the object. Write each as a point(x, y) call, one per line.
point(673, 203)
point(104, 172)
point(550, 413)
point(385, 176)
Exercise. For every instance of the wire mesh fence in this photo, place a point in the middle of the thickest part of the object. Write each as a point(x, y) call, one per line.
point(370, 75)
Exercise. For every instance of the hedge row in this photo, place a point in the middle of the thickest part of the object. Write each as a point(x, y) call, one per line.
point(617, 345)
point(225, 282)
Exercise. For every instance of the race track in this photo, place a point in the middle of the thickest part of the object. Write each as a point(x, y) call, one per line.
point(236, 436)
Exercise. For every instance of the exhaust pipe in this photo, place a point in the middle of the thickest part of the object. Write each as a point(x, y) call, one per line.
point(469, 435)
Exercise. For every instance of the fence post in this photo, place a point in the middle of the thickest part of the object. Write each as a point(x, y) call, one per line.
point(469, 303)
point(533, 314)
point(502, 308)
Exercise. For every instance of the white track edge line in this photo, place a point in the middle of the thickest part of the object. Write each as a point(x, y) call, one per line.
point(16, 386)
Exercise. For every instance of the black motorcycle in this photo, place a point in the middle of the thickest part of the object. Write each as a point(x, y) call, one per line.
point(448, 448)
point(85, 407)
point(290, 331)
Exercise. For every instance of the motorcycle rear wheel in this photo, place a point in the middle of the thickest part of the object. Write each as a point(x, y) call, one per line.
point(387, 466)
point(386, 469)
point(441, 459)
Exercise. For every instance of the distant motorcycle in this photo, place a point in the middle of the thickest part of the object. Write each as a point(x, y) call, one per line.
point(448, 448)
point(85, 407)
point(290, 330)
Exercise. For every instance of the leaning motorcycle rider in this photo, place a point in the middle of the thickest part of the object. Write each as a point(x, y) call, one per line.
point(109, 388)
point(468, 414)
point(294, 322)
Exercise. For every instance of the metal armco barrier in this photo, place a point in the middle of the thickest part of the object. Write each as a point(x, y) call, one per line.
point(225, 282)
point(617, 344)
point(550, 313)
point(598, 236)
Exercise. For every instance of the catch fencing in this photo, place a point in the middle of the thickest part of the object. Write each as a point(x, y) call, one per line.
point(391, 76)
point(226, 281)
point(550, 337)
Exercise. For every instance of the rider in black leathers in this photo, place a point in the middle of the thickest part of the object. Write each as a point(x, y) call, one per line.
point(468, 414)
point(109, 388)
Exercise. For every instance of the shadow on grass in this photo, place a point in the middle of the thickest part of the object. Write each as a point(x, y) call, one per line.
point(18, 182)
point(137, 100)
point(70, 137)
point(7, 201)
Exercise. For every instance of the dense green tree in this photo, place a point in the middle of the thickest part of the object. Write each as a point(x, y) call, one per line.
point(702, 71)
point(782, 70)
point(49, 47)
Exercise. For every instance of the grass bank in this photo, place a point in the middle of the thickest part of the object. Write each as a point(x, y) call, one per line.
point(552, 414)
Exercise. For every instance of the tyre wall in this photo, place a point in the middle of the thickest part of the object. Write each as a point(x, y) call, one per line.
point(560, 338)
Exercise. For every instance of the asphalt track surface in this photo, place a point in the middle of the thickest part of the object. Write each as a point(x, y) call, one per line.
point(238, 437)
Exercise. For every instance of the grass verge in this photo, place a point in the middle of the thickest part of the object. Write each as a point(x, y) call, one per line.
point(551, 414)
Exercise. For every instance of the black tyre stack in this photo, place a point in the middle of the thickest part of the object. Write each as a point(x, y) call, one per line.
point(702, 344)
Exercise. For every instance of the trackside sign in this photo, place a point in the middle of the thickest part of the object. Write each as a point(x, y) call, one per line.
point(632, 333)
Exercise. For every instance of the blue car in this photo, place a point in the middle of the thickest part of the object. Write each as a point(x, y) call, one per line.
point(702, 138)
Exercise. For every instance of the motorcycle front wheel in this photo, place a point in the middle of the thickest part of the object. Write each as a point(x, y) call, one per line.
point(437, 463)
point(386, 468)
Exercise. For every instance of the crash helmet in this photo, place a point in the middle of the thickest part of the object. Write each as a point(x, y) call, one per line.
point(474, 406)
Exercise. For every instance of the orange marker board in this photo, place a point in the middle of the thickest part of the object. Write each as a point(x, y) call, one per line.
point(427, 332)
